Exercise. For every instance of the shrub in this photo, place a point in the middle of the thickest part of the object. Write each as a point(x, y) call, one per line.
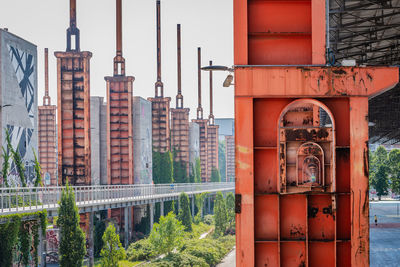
point(179, 260)
point(72, 242)
point(112, 250)
point(215, 176)
point(230, 209)
point(166, 235)
point(209, 219)
point(141, 250)
point(184, 213)
point(220, 215)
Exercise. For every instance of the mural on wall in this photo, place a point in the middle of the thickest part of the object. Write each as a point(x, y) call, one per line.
point(23, 66)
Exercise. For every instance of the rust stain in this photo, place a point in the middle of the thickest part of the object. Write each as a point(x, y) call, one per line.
point(243, 149)
point(306, 134)
point(243, 165)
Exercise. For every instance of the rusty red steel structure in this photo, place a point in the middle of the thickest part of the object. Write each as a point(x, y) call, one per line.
point(119, 121)
point(160, 105)
point(47, 131)
point(202, 125)
point(212, 135)
point(301, 134)
point(73, 112)
point(180, 118)
point(73, 109)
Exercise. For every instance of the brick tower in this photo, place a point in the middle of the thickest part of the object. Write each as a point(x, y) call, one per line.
point(212, 136)
point(159, 103)
point(202, 125)
point(119, 123)
point(180, 119)
point(47, 131)
point(73, 109)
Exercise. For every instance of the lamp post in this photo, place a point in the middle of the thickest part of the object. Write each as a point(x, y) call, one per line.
point(228, 80)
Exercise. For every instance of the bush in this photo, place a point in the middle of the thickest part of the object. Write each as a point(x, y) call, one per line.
point(112, 251)
point(184, 213)
point(141, 250)
point(179, 260)
point(166, 235)
point(209, 219)
point(220, 216)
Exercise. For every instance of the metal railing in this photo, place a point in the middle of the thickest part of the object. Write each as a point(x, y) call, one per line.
point(20, 199)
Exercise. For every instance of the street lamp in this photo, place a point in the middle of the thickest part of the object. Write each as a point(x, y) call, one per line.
point(228, 80)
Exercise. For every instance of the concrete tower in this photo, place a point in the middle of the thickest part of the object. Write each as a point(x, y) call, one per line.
point(180, 119)
point(73, 109)
point(47, 132)
point(159, 103)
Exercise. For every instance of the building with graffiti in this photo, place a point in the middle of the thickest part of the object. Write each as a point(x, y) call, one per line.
point(18, 100)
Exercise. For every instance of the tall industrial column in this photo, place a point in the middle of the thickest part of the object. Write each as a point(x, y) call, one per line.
point(73, 111)
point(119, 123)
point(180, 119)
point(212, 136)
point(202, 125)
point(47, 131)
point(159, 104)
point(301, 134)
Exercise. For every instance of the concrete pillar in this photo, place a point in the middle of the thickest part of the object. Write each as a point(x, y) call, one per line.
point(161, 208)
point(209, 205)
point(42, 248)
point(126, 226)
point(91, 243)
point(130, 222)
point(179, 205)
point(193, 206)
point(151, 215)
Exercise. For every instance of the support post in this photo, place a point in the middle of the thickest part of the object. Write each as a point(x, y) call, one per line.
point(162, 208)
point(91, 243)
point(151, 215)
point(126, 227)
point(41, 252)
point(209, 204)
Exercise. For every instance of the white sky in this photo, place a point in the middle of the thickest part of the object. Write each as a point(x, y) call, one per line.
point(205, 23)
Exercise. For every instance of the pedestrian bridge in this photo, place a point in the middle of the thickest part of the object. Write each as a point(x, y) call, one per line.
point(100, 197)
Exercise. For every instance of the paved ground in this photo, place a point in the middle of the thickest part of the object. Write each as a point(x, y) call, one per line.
point(229, 260)
point(385, 237)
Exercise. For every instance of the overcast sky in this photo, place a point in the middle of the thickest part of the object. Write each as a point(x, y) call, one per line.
point(205, 23)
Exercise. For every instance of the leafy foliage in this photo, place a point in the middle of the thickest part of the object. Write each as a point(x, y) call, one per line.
point(197, 170)
point(379, 171)
point(99, 228)
point(180, 172)
point(17, 159)
point(72, 242)
point(222, 159)
point(230, 209)
point(220, 216)
point(141, 250)
point(215, 176)
point(209, 219)
point(166, 235)
point(184, 213)
point(162, 168)
point(38, 173)
point(394, 160)
point(179, 260)
point(199, 202)
point(112, 251)
point(6, 166)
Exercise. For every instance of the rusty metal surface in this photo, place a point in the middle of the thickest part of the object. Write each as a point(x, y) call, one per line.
point(203, 144)
point(199, 107)
point(303, 180)
point(159, 86)
point(212, 149)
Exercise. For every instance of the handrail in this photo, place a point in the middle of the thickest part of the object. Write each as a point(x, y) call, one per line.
point(17, 199)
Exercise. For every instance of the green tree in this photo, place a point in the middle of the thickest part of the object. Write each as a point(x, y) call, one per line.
point(215, 177)
point(222, 159)
point(197, 169)
point(72, 240)
point(180, 175)
point(167, 235)
point(184, 213)
point(394, 161)
point(220, 217)
point(112, 251)
point(6, 166)
point(230, 209)
point(192, 174)
point(162, 168)
point(379, 171)
point(199, 201)
point(38, 171)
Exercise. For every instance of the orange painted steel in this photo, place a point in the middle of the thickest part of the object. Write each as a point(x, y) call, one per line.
point(301, 134)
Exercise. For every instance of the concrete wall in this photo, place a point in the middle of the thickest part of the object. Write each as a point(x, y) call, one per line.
point(19, 100)
point(98, 132)
point(194, 143)
point(142, 140)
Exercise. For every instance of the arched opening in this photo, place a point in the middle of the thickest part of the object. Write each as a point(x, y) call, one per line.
point(306, 147)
